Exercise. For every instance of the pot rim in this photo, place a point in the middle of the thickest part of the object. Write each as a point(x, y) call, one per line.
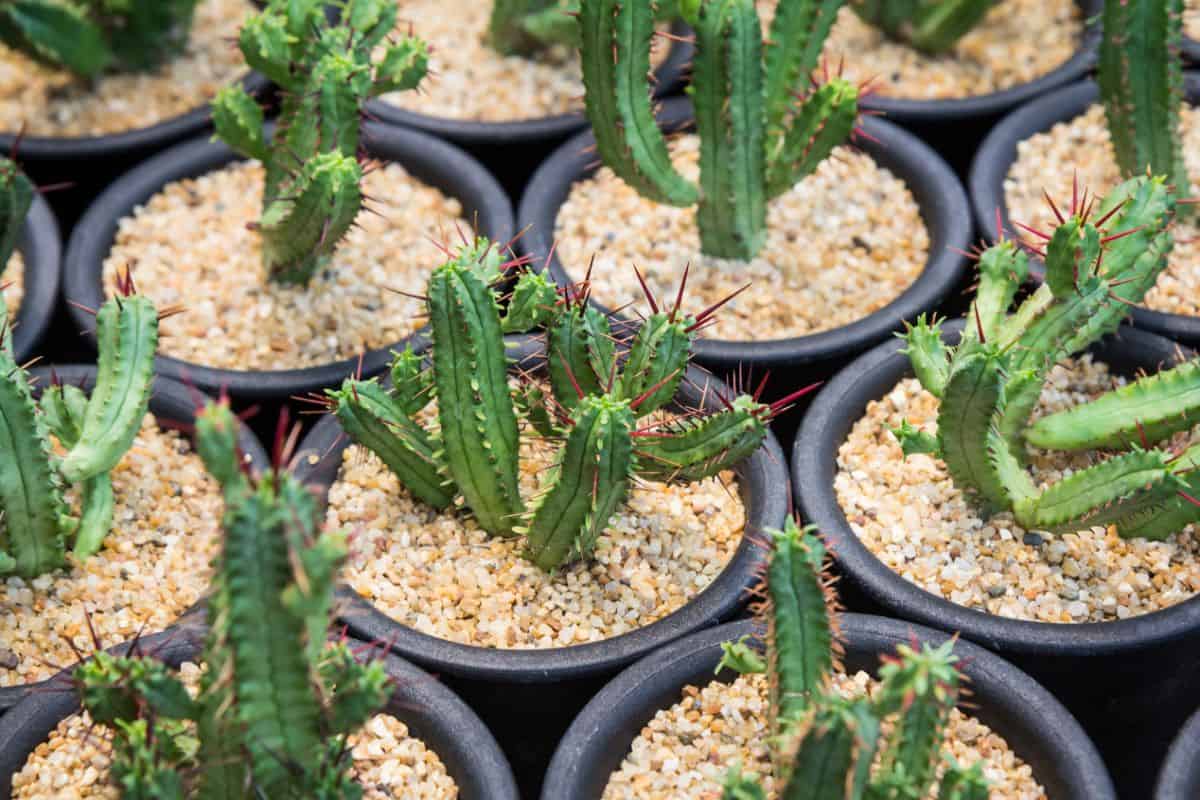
point(40, 246)
point(430, 160)
point(837, 407)
point(764, 490)
point(1012, 697)
point(937, 190)
point(435, 715)
point(998, 152)
point(170, 402)
point(513, 133)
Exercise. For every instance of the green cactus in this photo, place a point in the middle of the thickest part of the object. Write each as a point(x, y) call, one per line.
point(603, 384)
point(931, 26)
point(826, 746)
point(16, 196)
point(1141, 85)
point(89, 36)
point(94, 431)
point(326, 72)
point(275, 703)
point(990, 383)
point(755, 143)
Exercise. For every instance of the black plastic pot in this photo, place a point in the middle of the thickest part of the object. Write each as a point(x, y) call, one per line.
point(432, 713)
point(955, 127)
point(1037, 728)
point(998, 153)
point(1180, 776)
point(512, 150)
point(175, 406)
point(40, 246)
point(434, 162)
point(528, 697)
point(806, 359)
point(1130, 682)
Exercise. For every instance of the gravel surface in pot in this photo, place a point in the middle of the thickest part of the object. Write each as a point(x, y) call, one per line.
point(189, 244)
point(842, 243)
point(52, 102)
point(911, 516)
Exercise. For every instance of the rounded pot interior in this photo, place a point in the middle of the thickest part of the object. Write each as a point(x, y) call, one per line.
point(432, 713)
point(1180, 775)
point(429, 160)
point(40, 246)
point(998, 153)
point(938, 193)
point(763, 489)
point(1037, 728)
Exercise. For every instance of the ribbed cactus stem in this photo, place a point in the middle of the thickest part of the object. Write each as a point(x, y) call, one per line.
point(16, 196)
point(932, 26)
point(1141, 85)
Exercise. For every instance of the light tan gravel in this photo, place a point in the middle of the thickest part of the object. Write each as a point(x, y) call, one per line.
point(73, 765)
point(51, 102)
point(1019, 41)
point(442, 575)
point(12, 276)
point(190, 245)
point(470, 81)
point(1191, 19)
point(842, 243)
point(686, 750)
point(909, 514)
point(1082, 146)
point(153, 566)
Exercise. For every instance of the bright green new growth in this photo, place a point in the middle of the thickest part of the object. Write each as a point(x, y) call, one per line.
point(932, 26)
point(602, 386)
point(326, 72)
point(1141, 84)
point(94, 431)
point(822, 744)
point(755, 142)
point(90, 36)
point(990, 383)
point(275, 703)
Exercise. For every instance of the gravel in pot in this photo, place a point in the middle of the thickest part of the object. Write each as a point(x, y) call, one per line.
point(426, 744)
point(908, 544)
point(32, 276)
point(154, 564)
point(1062, 138)
point(871, 238)
point(1180, 775)
point(261, 340)
point(1191, 31)
point(686, 728)
point(526, 647)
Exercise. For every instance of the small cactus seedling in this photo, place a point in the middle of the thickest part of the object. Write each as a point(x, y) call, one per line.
point(94, 431)
point(1141, 84)
point(16, 196)
point(826, 745)
point(312, 192)
point(989, 384)
point(275, 703)
point(931, 26)
point(755, 142)
point(89, 36)
point(601, 384)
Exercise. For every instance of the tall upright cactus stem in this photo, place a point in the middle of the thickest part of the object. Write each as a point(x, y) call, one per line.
point(990, 383)
point(95, 431)
point(755, 142)
point(275, 703)
point(312, 194)
point(1141, 84)
point(932, 26)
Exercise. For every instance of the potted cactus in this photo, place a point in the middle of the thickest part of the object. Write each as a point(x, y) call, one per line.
point(288, 276)
point(579, 497)
point(103, 512)
point(799, 720)
point(1136, 117)
point(1041, 483)
point(274, 710)
point(29, 259)
point(770, 204)
point(111, 80)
